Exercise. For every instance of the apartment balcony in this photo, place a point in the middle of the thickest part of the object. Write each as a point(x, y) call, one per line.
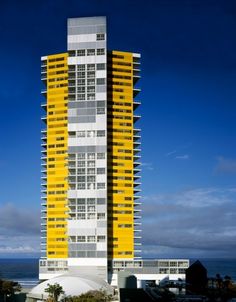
point(44, 91)
point(136, 150)
point(136, 170)
point(137, 197)
point(136, 184)
point(137, 244)
point(136, 104)
point(44, 105)
point(44, 119)
point(137, 157)
point(44, 144)
point(136, 118)
point(136, 131)
point(137, 163)
point(137, 217)
point(136, 91)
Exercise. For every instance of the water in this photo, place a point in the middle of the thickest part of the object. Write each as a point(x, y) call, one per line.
point(25, 271)
point(222, 266)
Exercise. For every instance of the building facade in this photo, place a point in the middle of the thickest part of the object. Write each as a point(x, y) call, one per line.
point(91, 161)
point(90, 155)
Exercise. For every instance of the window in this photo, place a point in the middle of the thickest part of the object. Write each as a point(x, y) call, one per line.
point(100, 51)
point(100, 110)
point(81, 82)
point(81, 201)
point(81, 67)
point(91, 201)
point(90, 171)
point(100, 185)
point(101, 81)
point(91, 67)
point(91, 74)
point(91, 133)
point(81, 186)
point(90, 89)
point(90, 52)
point(81, 52)
point(91, 82)
point(80, 238)
point(91, 208)
point(91, 155)
point(81, 215)
point(81, 97)
point(81, 134)
point(101, 133)
point(91, 163)
point(101, 156)
point(81, 178)
point(91, 96)
point(100, 170)
point(91, 238)
point(81, 208)
point(81, 89)
point(81, 74)
point(101, 238)
point(101, 66)
point(101, 216)
point(81, 164)
point(81, 171)
point(91, 179)
point(91, 216)
point(100, 37)
point(81, 155)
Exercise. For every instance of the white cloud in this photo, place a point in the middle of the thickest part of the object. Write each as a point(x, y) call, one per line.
point(183, 157)
point(148, 166)
point(192, 222)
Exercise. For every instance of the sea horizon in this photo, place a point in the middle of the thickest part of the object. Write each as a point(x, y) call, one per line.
point(26, 270)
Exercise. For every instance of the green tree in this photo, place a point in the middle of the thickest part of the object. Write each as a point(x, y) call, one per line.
point(54, 291)
point(91, 296)
point(8, 288)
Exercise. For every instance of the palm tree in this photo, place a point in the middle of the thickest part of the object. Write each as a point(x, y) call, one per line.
point(54, 290)
point(8, 288)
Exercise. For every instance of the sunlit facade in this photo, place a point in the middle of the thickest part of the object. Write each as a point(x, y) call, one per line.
point(90, 155)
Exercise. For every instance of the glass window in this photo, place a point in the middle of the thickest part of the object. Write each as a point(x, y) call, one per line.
point(101, 133)
point(81, 155)
point(81, 134)
point(100, 170)
point(91, 96)
point(91, 238)
point(90, 133)
point(91, 67)
point(101, 216)
point(90, 52)
point(101, 156)
point(100, 110)
point(81, 82)
point(91, 179)
point(101, 185)
point(91, 82)
point(101, 238)
point(81, 52)
point(100, 37)
point(101, 51)
point(90, 171)
point(100, 66)
point(81, 97)
point(101, 81)
point(81, 215)
point(81, 238)
point(81, 67)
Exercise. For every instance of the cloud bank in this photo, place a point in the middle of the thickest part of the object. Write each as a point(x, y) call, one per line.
point(192, 223)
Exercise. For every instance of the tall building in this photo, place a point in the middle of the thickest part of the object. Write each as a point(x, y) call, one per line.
point(90, 161)
point(90, 155)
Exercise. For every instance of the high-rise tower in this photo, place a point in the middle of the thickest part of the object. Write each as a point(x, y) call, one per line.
point(90, 155)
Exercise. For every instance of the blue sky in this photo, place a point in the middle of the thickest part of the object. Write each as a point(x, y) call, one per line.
point(188, 117)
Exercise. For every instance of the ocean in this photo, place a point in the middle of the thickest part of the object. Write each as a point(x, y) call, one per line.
point(25, 271)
